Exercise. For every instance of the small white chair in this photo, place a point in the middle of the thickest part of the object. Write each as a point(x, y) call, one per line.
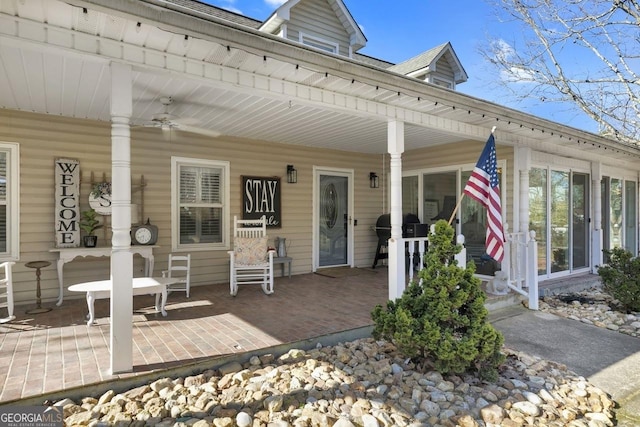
point(6, 291)
point(179, 267)
point(250, 260)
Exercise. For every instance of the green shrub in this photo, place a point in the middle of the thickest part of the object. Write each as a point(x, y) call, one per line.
point(440, 320)
point(621, 278)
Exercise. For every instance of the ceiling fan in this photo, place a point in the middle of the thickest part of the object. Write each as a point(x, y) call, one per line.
point(169, 122)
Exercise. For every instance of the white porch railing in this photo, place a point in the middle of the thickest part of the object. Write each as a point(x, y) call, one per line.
point(519, 267)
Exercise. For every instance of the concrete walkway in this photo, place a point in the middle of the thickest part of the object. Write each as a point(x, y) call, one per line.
point(610, 360)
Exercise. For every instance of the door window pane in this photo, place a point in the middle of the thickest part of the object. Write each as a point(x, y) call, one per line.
point(439, 195)
point(334, 220)
point(538, 213)
point(615, 213)
point(410, 195)
point(559, 221)
point(630, 221)
point(580, 210)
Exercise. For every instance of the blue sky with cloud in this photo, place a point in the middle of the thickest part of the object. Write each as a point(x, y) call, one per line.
point(397, 31)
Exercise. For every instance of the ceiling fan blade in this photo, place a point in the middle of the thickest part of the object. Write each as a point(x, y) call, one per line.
point(198, 130)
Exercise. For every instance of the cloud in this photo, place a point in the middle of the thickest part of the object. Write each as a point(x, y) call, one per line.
point(502, 51)
point(275, 3)
point(233, 9)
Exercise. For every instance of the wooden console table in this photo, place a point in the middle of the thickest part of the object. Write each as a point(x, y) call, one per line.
point(66, 255)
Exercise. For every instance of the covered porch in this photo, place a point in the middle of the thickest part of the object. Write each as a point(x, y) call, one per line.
point(55, 354)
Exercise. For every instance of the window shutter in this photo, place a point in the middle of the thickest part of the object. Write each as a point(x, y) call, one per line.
point(210, 184)
point(188, 181)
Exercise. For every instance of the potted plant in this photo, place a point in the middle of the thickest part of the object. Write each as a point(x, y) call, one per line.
point(89, 224)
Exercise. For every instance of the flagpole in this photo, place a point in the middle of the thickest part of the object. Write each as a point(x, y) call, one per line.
point(455, 210)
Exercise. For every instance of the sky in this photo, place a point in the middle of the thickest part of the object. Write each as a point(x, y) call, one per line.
point(396, 33)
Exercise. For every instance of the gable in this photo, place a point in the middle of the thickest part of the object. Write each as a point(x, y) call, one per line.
point(439, 62)
point(324, 24)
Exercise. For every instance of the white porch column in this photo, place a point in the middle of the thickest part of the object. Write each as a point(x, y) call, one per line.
point(596, 235)
point(121, 256)
point(395, 147)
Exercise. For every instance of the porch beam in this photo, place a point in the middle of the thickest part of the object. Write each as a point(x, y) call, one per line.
point(121, 337)
point(396, 257)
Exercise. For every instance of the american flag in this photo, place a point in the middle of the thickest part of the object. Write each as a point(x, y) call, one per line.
point(484, 186)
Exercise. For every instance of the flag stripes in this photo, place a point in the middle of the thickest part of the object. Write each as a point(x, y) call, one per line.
point(483, 186)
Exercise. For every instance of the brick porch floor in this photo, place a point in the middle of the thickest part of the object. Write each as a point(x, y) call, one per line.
point(57, 354)
point(46, 353)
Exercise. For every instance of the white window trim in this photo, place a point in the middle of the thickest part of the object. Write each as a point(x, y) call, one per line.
point(175, 217)
point(13, 200)
point(318, 40)
point(438, 80)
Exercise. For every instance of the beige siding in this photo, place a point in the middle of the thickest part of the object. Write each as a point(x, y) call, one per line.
point(44, 138)
point(444, 70)
point(317, 18)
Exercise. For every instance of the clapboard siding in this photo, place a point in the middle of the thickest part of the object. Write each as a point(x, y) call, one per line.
point(443, 70)
point(45, 138)
point(318, 19)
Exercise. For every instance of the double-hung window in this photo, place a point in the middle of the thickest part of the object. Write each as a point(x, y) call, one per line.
point(200, 204)
point(9, 202)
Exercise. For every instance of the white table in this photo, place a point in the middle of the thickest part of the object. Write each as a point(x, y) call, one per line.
point(101, 289)
point(66, 255)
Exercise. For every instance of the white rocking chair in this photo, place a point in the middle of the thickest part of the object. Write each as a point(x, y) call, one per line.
point(6, 290)
point(179, 267)
point(250, 260)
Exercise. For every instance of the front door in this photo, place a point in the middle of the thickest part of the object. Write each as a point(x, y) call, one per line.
point(332, 218)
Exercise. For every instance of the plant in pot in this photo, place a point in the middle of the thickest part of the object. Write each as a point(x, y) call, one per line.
point(89, 224)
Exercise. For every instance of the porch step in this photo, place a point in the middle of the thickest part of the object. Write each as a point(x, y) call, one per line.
point(569, 284)
point(498, 302)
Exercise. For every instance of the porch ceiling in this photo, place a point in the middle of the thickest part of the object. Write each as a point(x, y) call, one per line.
point(54, 59)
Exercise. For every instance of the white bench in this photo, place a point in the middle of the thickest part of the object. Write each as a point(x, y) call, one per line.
point(101, 289)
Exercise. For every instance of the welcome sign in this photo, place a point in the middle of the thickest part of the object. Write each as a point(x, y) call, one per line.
point(67, 203)
point(261, 196)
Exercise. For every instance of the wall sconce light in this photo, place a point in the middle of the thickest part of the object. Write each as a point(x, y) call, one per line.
point(292, 174)
point(373, 180)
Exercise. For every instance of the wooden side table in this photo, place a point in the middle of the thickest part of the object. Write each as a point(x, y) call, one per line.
point(38, 265)
point(282, 260)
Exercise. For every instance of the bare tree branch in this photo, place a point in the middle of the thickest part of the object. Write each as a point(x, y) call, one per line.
point(581, 52)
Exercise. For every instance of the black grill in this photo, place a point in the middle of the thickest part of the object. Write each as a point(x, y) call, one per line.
point(411, 227)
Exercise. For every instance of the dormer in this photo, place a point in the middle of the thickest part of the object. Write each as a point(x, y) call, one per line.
point(439, 66)
point(326, 25)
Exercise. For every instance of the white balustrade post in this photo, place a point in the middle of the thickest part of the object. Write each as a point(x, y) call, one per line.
point(461, 257)
point(532, 270)
point(505, 265)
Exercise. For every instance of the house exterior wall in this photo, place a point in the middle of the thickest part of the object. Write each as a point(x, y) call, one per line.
point(44, 138)
point(316, 18)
